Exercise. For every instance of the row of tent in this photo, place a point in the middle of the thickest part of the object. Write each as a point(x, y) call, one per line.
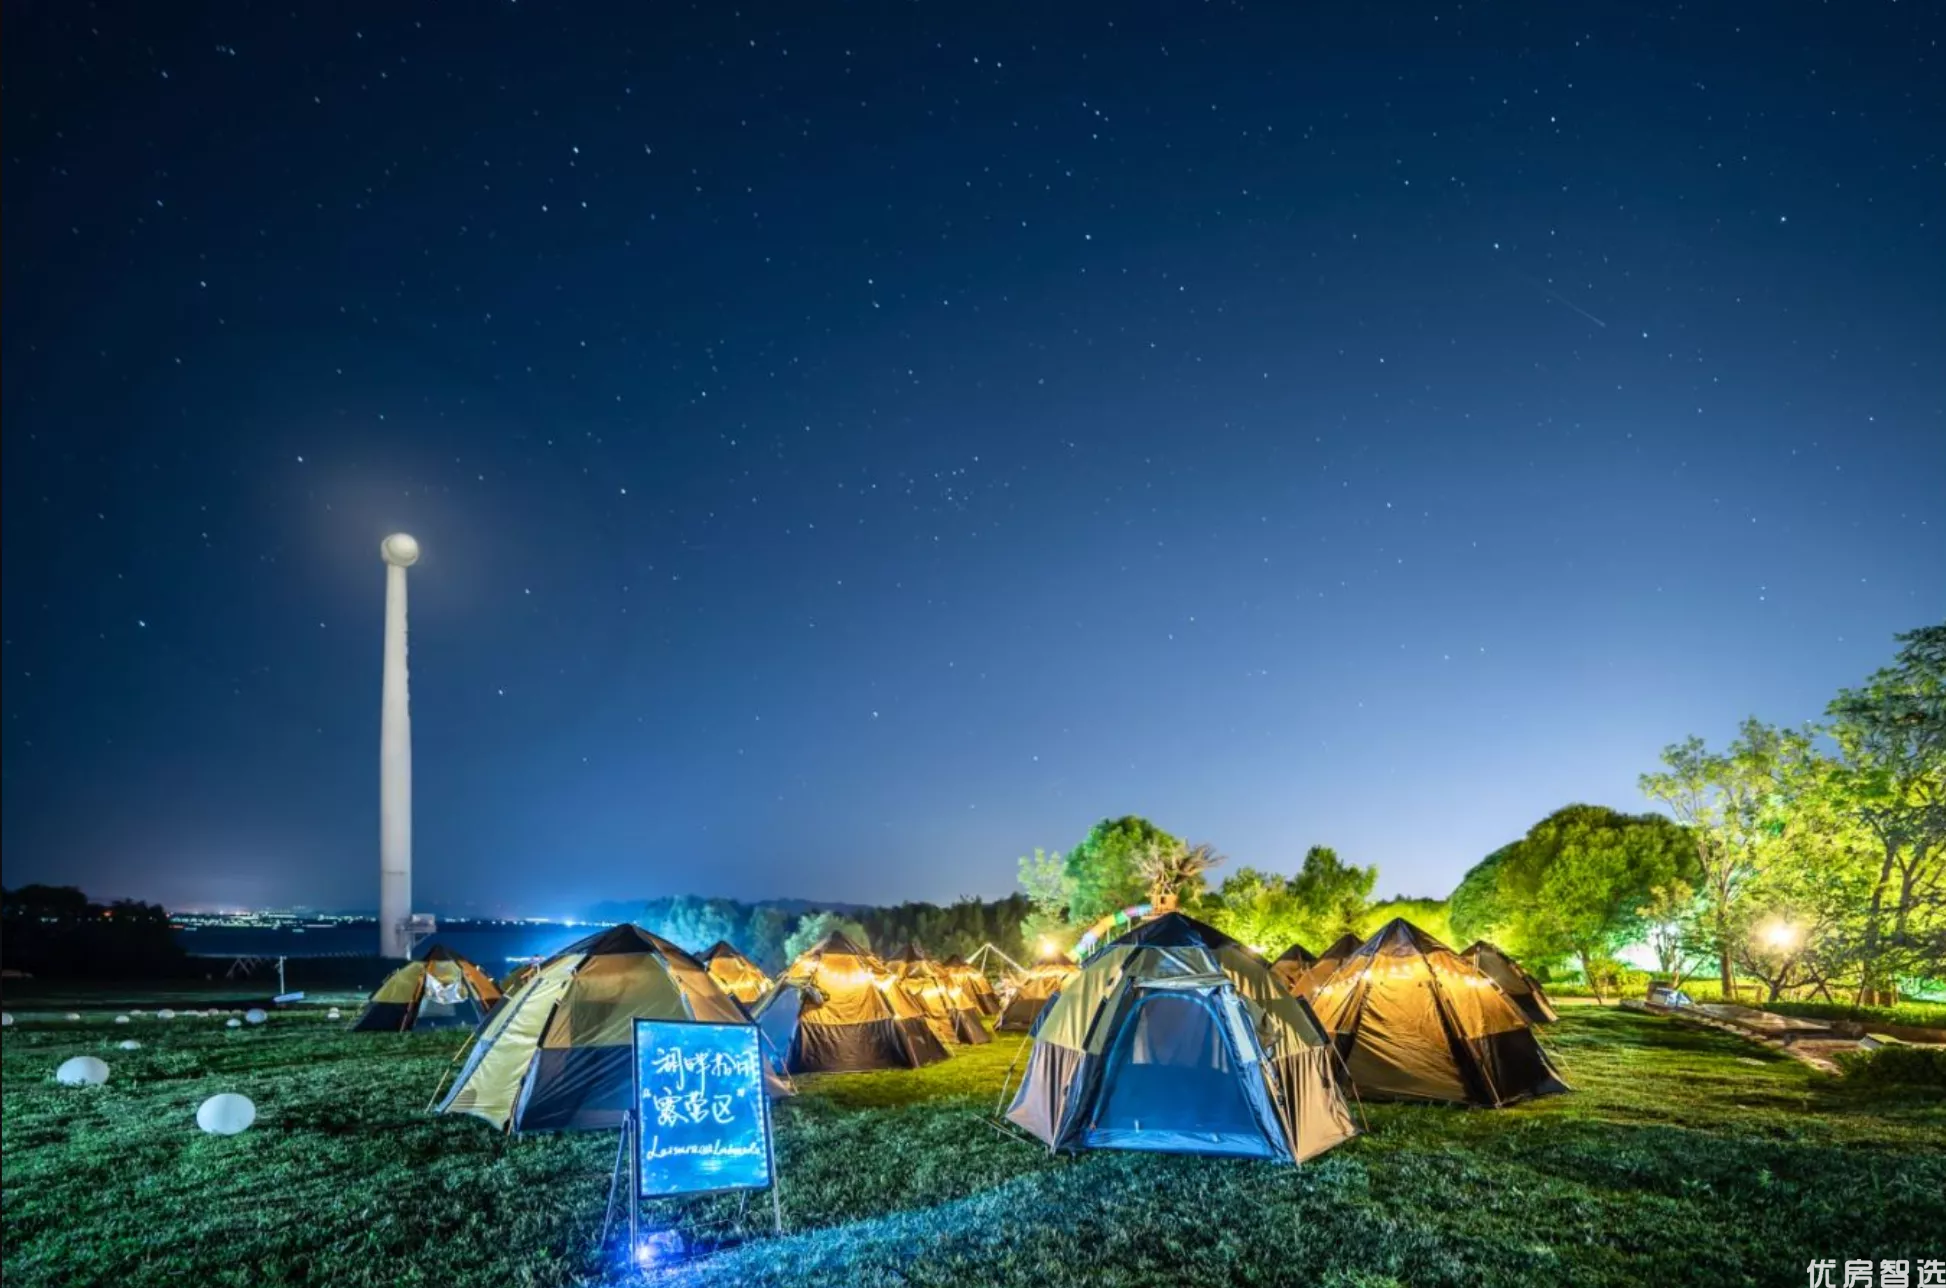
point(551, 1043)
point(1172, 1037)
point(1176, 1038)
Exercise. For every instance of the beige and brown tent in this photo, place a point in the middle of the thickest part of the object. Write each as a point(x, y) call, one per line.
point(555, 1057)
point(1032, 991)
point(1514, 981)
point(740, 977)
point(1175, 1038)
point(441, 990)
point(973, 984)
point(513, 979)
point(1291, 968)
point(950, 1013)
point(853, 1014)
point(1413, 1020)
point(1327, 962)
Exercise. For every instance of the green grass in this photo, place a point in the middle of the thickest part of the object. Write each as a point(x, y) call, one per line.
point(1684, 1157)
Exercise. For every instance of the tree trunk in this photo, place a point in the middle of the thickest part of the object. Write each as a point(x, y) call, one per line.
point(1868, 975)
point(1594, 980)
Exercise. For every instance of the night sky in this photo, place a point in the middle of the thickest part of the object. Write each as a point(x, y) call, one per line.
point(854, 445)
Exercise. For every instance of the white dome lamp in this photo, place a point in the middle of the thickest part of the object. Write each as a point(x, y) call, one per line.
point(82, 1071)
point(129, 1044)
point(226, 1114)
point(256, 1015)
point(233, 1024)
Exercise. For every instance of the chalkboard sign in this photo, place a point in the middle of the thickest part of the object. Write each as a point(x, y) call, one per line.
point(702, 1118)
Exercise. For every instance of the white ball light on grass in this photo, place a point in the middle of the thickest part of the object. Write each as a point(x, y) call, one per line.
point(256, 1016)
point(130, 1044)
point(226, 1114)
point(81, 1071)
point(233, 1024)
point(121, 1019)
point(165, 1014)
point(6, 1021)
point(332, 1014)
point(74, 1015)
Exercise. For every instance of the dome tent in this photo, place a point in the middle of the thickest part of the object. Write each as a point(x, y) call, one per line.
point(1326, 962)
point(520, 974)
point(440, 990)
point(1415, 1021)
point(1032, 991)
point(1513, 980)
point(555, 1057)
point(973, 984)
point(950, 1013)
point(1175, 1038)
point(736, 974)
point(854, 1014)
point(1291, 968)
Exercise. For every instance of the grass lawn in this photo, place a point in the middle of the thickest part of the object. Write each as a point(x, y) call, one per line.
point(1684, 1157)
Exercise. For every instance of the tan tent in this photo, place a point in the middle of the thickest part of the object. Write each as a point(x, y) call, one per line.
point(1514, 981)
point(556, 1056)
point(1175, 1038)
point(973, 984)
point(854, 1014)
point(740, 977)
point(1032, 991)
point(1291, 968)
point(1327, 962)
point(950, 1013)
point(1415, 1021)
point(441, 990)
point(519, 975)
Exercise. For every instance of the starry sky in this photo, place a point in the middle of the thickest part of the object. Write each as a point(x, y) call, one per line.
point(853, 445)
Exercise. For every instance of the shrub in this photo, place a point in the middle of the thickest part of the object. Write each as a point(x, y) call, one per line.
point(1917, 1014)
point(1896, 1066)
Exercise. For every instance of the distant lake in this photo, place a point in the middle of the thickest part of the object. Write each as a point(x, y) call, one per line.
point(490, 946)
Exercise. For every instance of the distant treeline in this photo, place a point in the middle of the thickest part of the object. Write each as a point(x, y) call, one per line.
point(58, 931)
point(771, 935)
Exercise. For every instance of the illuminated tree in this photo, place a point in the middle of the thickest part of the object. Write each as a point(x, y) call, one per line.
point(1728, 803)
point(1892, 736)
point(1172, 870)
point(1575, 884)
point(1101, 869)
point(1333, 893)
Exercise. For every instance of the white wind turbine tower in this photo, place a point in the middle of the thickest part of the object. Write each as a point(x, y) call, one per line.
point(396, 924)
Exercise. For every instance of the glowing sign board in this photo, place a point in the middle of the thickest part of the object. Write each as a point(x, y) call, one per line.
point(702, 1118)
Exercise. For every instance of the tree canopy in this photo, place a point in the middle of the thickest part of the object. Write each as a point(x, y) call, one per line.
point(1576, 884)
point(1101, 870)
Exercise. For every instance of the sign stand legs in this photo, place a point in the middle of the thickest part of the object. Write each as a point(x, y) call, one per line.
point(623, 1151)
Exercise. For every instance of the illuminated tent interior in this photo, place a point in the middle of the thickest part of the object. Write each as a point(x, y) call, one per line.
point(738, 976)
point(1031, 992)
point(555, 1057)
point(1326, 963)
point(950, 1013)
point(854, 1014)
point(1513, 979)
point(441, 990)
point(1175, 1038)
point(1291, 968)
point(1415, 1021)
point(973, 984)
